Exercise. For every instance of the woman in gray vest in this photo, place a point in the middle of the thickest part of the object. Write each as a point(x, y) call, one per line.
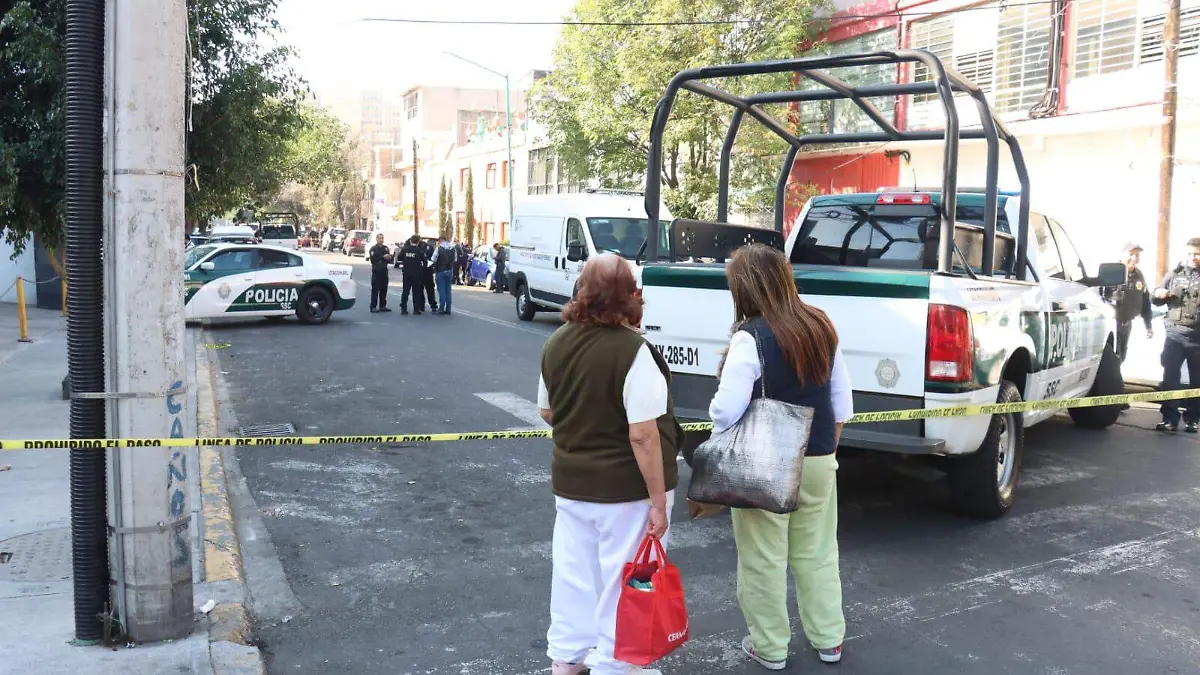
point(605, 393)
point(793, 347)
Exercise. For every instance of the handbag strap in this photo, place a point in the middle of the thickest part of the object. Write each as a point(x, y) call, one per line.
point(762, 365)
point(650, 546)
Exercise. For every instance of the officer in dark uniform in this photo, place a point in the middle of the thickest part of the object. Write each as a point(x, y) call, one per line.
point(1180, 292)
point(380, 258)
point(1131, 300)
point(412, 258)
point(427, 276)
point(501, 277)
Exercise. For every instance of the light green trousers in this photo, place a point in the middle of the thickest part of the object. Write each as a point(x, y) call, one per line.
point(806, 539)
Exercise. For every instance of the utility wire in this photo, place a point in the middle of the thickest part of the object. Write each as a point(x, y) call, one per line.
point(698, 22)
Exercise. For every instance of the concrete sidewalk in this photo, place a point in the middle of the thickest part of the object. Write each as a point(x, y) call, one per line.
point(35, 544)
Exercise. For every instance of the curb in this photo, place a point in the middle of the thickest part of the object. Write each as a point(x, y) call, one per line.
point(231, 647)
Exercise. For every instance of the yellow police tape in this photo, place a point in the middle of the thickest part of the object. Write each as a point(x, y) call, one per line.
point(860, 418)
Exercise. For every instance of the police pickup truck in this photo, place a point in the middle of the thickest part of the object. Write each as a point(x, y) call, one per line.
point(941, 297)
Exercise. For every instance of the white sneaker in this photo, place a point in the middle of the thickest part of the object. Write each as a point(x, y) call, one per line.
point(748, 650)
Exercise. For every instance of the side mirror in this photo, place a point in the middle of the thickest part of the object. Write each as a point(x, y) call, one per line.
point(208, 266)
point(1109, 274)
point(576, 251)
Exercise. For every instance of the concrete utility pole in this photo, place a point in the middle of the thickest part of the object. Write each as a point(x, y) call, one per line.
point(151, 553)
point(1166, 171)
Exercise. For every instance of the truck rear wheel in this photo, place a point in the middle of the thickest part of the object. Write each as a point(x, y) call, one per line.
point(984, 484)
point(1108, 382)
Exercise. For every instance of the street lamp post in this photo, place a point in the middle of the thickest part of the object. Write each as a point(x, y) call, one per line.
point(507, 126)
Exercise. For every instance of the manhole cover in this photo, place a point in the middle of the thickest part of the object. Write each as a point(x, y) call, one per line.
point(40, 556)
point(263, 430)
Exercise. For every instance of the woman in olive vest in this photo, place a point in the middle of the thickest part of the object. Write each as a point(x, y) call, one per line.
point(605, 393)
point(794, 348)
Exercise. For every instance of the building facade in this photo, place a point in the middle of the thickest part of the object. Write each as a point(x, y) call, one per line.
point(1088, 120)
point(481, 149)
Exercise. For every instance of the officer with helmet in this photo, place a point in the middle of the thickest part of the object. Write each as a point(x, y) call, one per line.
point(1180, 292)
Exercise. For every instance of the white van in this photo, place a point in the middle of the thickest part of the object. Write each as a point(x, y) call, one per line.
point(553, 235)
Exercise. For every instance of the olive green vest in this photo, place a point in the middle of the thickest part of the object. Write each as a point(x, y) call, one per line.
point(584, 369)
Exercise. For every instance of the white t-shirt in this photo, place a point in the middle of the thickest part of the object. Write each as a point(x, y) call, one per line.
point(644, 393)
point(742, 370)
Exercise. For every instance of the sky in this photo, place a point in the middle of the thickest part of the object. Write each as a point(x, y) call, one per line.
point(339, 52)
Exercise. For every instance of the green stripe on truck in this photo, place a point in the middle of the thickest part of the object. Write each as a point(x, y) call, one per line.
point(810, 280)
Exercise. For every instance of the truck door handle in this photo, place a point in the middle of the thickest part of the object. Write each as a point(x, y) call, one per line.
point(1056, 306)
point(555, 262)
point(1083, 305)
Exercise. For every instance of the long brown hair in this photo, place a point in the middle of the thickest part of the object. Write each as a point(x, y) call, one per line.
point(762, 285)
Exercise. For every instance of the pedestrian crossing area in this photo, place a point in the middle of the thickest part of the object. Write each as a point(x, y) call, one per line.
point(477, 527)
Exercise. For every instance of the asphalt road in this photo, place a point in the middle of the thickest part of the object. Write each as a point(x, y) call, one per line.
point(435, 558)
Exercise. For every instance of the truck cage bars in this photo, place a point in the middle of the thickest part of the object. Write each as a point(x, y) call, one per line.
point(944, 83)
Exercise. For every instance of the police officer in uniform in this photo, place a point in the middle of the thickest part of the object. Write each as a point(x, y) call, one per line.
point(380, 258)
point(501, 257)
point(427, 276)
point(412, 258)
point(1180, 292)
point(1130, 300)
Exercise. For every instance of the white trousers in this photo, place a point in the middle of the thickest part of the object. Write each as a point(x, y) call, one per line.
point(592, 543)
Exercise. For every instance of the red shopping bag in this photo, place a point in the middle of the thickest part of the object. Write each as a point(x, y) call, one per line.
point(651, 622)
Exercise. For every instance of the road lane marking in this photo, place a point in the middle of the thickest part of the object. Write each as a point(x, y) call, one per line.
point(499, 322)
point(506, 324)
point(521, 408)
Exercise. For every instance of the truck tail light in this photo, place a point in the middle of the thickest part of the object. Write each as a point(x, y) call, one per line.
point(902, 198)
point(948, 355)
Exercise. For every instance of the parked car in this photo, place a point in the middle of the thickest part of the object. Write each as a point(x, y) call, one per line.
point(333, 238)
point(278, 229)
point(483, 268)
point(356, 243)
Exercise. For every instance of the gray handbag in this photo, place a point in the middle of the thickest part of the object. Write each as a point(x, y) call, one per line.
point(757, 463)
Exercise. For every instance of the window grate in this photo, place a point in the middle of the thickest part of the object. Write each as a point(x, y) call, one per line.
point(1022, 57)
point(1152, 35)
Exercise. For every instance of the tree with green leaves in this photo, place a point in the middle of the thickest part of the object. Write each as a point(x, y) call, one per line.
point(33, 134)
point(243, 112)
point(470, 208)
point(598, 102)
point(442, 205)
point(317, 167)
point(245, 108)
point(450, 221)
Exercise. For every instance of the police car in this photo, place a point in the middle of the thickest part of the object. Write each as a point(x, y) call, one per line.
point(249, 280)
